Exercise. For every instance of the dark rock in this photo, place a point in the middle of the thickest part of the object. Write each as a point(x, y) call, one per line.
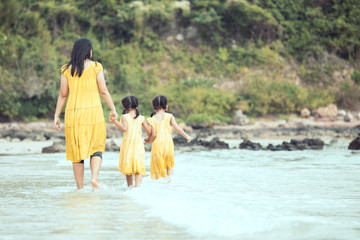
point(285, 146)
point(198, 125)
point(279, 147)
point(14, 133)
point(55, 148)
point(48, 135)
point(179, 140)
point(59, 135)
point(307, 143)
point(180, 143)
point(112, 147)
point(215, 143)
point(355, 144)
point(34, 135)
point(247, 144)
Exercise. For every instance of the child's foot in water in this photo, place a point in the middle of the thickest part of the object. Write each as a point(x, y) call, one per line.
point(94, 183)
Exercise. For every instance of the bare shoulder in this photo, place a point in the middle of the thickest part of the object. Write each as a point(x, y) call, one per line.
point(124, 116)
point(170, 116)
point(141, 118)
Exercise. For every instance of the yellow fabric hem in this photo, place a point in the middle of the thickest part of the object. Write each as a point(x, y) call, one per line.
point(76, 161)
point(133, 173)
point(158, 177)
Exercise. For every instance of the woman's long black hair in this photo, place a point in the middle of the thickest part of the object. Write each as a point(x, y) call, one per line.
point(159, 102)
point(130, 102)
point(80, 52)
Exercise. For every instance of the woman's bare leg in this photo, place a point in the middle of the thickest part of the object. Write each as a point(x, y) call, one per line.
point(95, 164)
point(138, 179)
point(78, 169)
point(129, 179)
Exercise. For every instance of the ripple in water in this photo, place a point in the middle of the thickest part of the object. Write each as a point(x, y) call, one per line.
point(232, 194)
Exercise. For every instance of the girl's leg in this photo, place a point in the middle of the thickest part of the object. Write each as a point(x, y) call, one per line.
point(129, 179)
point(78, 169)
point(169, 173)
point(95, 164)
point(138, 179)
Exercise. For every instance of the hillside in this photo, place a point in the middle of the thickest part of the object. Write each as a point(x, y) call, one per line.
point(208, 57)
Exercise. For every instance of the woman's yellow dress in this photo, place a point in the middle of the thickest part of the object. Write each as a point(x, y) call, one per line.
point(132, 150)
point(162, 150)
point(85, 128)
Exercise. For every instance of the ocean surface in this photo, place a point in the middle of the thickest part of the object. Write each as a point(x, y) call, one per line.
point(219, 194)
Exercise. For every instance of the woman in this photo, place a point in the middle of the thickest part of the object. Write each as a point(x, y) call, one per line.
point(85, 128)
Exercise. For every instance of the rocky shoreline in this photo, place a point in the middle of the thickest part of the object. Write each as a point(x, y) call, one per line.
point(204, 138)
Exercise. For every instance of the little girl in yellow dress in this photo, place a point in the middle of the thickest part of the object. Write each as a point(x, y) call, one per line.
point(132, 151)
point(162, 151)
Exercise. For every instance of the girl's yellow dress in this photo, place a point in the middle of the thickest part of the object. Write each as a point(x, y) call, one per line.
point(162, 151)
point(85, 128)
point(132, 151)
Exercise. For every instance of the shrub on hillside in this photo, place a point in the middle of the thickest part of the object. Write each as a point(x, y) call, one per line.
point(348, 96)
point(276, 97)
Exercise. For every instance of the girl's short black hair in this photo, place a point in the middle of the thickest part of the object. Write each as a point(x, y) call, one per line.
point(159, 102)
point(130, 102)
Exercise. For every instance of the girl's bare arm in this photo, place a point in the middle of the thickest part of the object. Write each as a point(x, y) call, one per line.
point(148, 130)
point(152, 137)
point(179, 129)
point(122, 125)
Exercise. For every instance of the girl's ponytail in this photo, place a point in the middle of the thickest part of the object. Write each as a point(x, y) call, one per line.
point(130, 102)
point(152, 114)
point(137, 112)
point(159, 102)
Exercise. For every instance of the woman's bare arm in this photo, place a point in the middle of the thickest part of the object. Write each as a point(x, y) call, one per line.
point(63, 94)
point(179, 129)
point(104, 92)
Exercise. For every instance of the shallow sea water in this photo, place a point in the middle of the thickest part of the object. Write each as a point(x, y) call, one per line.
point(219, 194)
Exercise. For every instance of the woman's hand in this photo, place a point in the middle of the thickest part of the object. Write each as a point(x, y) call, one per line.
point(188, 138)
point(113, 116)
point(57, 123)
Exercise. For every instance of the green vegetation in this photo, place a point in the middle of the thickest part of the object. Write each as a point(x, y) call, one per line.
point(208, 57)
point(278, 97)
point(356, 77)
